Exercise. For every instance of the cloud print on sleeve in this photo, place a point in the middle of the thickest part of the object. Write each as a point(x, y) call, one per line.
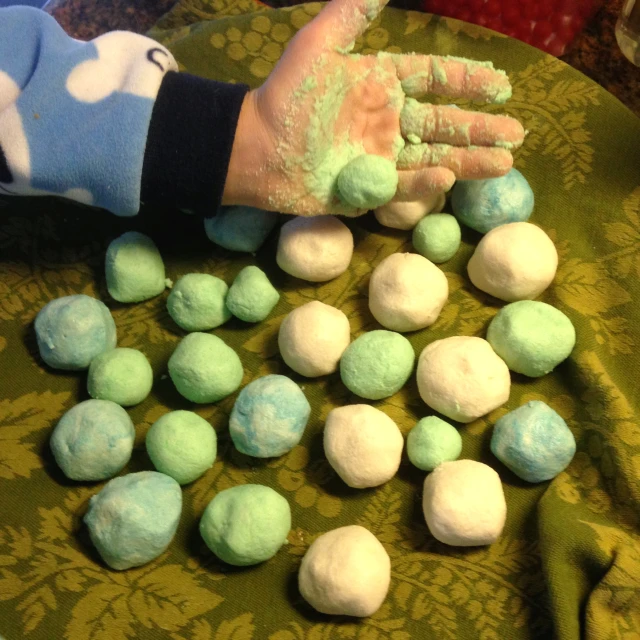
point(74, 115)
point(126, 62)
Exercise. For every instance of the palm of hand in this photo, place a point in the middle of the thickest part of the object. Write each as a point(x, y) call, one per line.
point(322, 107)
point(347, 106)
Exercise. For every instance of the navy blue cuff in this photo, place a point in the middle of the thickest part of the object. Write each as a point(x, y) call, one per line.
point(191, 133)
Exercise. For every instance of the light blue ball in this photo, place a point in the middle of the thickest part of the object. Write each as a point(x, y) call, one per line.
point(486, 204)
point(134, 518)
point(93, 440)
point(534, 442)
point(240, 228)
point(73, 330)
point(269, 417)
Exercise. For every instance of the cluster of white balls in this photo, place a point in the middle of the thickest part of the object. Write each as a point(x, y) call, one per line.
point(346, 571)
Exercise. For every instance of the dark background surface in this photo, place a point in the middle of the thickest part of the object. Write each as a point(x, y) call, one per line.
point(595, 52)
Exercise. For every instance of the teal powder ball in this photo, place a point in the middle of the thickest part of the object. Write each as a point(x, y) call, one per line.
point(269, 417)
point(534, 442)
point(121, 375)
point(433, 441)
point(240, 228)
point(251, 296)
point(246, 524)
point(368, 181)
point(73, 330)
point(93, 440)
point(377, 364)
point(437, 237)
point(531, 337)
point(197, 302)
point(204, 369)
point(486, 204)
point(134, 268)
point(182, 444)
point(134, 518)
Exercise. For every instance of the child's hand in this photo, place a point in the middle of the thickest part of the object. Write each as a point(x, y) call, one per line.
point(322, 106)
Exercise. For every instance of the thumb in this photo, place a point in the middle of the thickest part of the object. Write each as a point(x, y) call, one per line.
point(342, 21)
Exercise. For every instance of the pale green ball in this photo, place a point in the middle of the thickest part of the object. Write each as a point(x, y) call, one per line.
point(437, 237)
point(251, 296)
point(182, 444)
point(377, 364)
point(246, 524)
point(531, 337)
point(121, 375)
point(134, 268)
point(368, 181)
point(197, 302)
point(204, 369)
point(240, 228)
point(431, 442)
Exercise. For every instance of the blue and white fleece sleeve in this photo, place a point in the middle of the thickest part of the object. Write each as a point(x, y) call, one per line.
point(108, 122)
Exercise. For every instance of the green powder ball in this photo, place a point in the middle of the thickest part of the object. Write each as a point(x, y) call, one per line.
point(377, 364)
point(204, 369)
point(240, 228)
point(368, 181)
point(251, 296)
point(182, 444)
point(121, 375)
point(437, 237)
point(134, 268)
point(431, 442)
point(197, 302)
point(246, 524)
point(531, 337)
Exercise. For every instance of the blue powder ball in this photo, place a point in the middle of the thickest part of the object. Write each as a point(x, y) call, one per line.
point(269, 417)
point(240, 228)
point(73, 330)
point(486, 204)
point(93, 440)
point(534, 442)
point(134, 518)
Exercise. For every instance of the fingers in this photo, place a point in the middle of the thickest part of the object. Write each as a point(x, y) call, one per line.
point(342, 21)
point(470, 163)
point(450, 125)
point(414, 185)
point(449, 76)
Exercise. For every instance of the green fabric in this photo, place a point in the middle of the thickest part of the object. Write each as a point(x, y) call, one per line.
point(569, 560)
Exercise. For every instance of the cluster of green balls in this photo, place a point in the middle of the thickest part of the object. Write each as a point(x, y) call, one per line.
point(94, 440)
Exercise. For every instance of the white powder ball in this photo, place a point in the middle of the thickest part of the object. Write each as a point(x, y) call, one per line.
point(363, 445)
point(406, 215)
point(516, 261)
point(407, 292)
point(315, 249)
point(463, 503)
point(462, 378)
point(345, 572)
point(313, 337)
